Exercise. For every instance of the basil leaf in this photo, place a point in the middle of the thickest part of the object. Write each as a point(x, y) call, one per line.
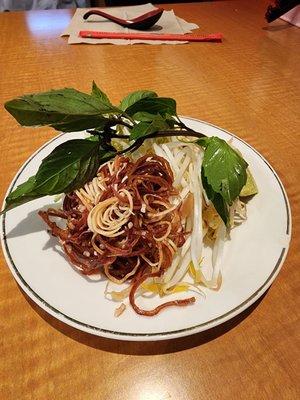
point(133, 97)
point(155, 105)
point(92, 138)
point(203, 142)
point(140, 130)
point(65, 110)
point(68, 167)
point(224, 169)
point(172, 122)
point(61, 170)
point(144, 128)
point(80, 123)
point(22, 194)
point(217, 200)
point(100, 95)
point(143, 116)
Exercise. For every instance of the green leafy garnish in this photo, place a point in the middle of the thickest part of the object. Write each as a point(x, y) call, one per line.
point(223, 174)
point(144, 129)
point(65, 110)
point(141, 115)
point(216, 198)
point(68, 167)
point(22, 194)
point(153, 105)
point(224, 169)
point(100, 95)
point(134, 97)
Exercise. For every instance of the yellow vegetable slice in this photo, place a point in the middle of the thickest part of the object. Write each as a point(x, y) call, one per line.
point(250, 187)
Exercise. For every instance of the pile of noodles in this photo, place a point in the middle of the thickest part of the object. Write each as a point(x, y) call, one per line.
point(125, 223)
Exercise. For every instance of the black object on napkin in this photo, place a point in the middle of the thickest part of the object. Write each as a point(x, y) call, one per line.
point(279, 8)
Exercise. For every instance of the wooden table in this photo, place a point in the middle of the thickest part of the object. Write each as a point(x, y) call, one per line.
point(248, 85)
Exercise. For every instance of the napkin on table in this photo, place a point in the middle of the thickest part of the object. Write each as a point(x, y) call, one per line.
point(292, 16)
point(168, 23)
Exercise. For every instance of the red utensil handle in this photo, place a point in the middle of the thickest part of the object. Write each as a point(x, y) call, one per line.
point(214, 37)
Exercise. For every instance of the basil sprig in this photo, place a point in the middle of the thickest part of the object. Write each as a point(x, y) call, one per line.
point(223, 174)
point(66, 168)
point(140, 115)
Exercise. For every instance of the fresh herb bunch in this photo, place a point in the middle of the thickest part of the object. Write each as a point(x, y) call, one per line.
point(144, 115)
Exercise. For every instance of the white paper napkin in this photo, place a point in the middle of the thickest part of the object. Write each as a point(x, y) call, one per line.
point(168, 23)
point(292, 16)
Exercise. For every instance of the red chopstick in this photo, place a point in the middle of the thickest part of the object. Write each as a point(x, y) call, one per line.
point(214, 37)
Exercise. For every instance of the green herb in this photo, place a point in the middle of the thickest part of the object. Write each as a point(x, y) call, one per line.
point(145, 128)
point(100, 95)
point(134, 97)
point(216, 198)
point(140, 116)
point(66, 110)
point(225, 174)
point(68, 167)
point(153, 105)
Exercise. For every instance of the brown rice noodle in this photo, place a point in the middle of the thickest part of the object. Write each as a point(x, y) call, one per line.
point(125, 223)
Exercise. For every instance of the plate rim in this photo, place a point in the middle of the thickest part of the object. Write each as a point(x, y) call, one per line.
point(153, 336)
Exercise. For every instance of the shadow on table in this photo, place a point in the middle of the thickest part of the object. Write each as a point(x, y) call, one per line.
point(282, 25)
point(145, 347)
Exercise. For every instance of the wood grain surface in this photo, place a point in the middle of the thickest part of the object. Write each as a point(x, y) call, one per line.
point(248, 85)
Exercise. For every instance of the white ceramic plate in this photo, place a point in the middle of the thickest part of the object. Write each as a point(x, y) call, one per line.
point(252, 260)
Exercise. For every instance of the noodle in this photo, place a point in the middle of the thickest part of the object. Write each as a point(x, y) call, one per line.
point(123, 223)
point(145, 219)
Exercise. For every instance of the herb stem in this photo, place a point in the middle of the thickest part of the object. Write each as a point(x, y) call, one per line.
point(95, 132)
point(174, 132)
point(182, 125)
point(165, 133)
point(130, 119)
point(132, 147)
point(119, 121)
point(116, 136)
